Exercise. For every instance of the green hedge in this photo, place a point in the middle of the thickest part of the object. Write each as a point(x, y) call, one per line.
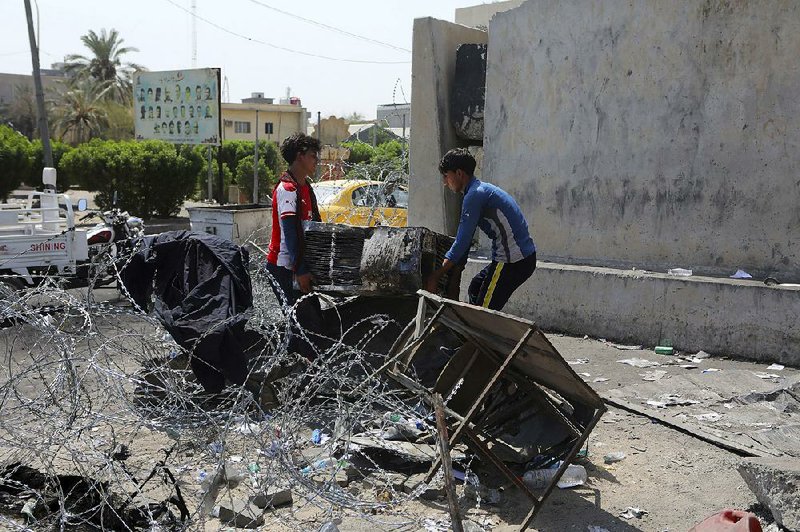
point(151, 178)
point(16, 160)
point(59, 149)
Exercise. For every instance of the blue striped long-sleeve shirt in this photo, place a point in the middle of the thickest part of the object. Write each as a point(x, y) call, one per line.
point(498, 215)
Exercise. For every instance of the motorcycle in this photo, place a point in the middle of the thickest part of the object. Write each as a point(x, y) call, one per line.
point(111, 243)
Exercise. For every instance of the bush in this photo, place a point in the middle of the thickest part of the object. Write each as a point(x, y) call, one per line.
point(59, 149)
point(15, 159)
point(244, 177)
point(150, 178)
point(233, 152)
point(360, 152)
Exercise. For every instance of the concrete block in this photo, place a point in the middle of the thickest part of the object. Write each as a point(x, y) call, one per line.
point(611, 158)
point(776, 484)
point(433, 67)
point(737, 318)
point(272, 500)
point(241, 514)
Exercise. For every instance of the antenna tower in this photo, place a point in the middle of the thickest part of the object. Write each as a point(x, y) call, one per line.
point(194, 33)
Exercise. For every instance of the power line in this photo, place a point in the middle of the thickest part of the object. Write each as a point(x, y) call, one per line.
point(278, 47)
point(332, 28)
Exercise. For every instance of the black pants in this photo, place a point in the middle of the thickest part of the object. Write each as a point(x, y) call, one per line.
point(309, 312)
point(494, 284)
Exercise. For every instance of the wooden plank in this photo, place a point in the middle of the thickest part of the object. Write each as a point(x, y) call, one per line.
point(447, 465)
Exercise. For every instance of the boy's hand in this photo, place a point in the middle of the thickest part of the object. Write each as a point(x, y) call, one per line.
point(432, 283)
point(305, 281)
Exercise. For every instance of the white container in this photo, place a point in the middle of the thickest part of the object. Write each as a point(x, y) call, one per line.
point(237, 223)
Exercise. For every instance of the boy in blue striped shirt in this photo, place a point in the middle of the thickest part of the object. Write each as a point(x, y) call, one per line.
point(498, 215)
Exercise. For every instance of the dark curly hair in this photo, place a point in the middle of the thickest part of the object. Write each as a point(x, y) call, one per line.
point(296, 144)
point(457, 159)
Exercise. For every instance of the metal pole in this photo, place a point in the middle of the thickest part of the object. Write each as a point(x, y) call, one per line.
point(210, 177)
point(44, 131)
point(255, 165)
point(319, 126)
point(221, 177)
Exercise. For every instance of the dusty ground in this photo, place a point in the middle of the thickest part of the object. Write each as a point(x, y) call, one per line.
point(677, 479)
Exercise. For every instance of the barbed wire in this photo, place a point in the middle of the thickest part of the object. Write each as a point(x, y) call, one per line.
point(105, 425)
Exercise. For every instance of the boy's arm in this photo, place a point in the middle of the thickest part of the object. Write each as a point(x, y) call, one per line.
point(457, 254)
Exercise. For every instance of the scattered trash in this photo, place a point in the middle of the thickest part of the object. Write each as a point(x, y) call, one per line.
point(614, 457)
point(711, 370)
point(701, 355)
point(762, 375)
point(776, 367)
point(249, 428)
point(639, 363)
point(688, 366)
point(216, 447)
point(600, 379)
point(671, 400)
point(679, 272)
point(631, 512)
point(575, 475)
point(316, 437)
point(593, 528)
point(741, 274)
point(623, 347)
point(584, 374)
point(729, 520)
point(640, 448)
point(578, 361)
point(652, 376)
point(664, 350)
point(235, 458)
point(711, 417)
point(330, 526)
point(254, 468)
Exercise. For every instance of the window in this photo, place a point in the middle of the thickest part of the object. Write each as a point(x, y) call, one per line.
point(241, 127)
point(268, 128)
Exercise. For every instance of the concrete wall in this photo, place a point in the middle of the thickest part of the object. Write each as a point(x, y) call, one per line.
point(744, 319)
point(479, 16)
point(647, 133)
point(433, 69)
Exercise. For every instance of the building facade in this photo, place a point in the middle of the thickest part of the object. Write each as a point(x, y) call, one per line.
point(274, 121)
point(395, 115)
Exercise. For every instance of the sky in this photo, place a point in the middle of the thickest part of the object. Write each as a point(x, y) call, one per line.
point(337, 57)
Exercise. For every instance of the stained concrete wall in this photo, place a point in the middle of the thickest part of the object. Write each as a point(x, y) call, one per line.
point(742, 319)
point(649, 133)
point(479, 16)
point(434, 65)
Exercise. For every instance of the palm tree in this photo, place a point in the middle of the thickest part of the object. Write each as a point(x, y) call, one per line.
point(80, 113)
point(105, 64)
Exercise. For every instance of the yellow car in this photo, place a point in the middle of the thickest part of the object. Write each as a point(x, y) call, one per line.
point(362, 202)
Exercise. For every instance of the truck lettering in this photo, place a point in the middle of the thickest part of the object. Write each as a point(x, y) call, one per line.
point(49, 246)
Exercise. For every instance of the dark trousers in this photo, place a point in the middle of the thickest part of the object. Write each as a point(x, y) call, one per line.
point(309, 312)
point(494, 284)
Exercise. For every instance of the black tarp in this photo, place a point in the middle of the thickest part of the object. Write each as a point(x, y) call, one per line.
point(202, 291)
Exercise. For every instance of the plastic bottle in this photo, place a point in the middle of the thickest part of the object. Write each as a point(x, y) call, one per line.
point(537, 479)
point(575, 475)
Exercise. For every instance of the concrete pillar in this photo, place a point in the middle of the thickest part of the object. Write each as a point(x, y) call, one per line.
point(431, 205)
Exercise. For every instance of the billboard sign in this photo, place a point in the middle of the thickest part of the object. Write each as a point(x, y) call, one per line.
point(180, 106)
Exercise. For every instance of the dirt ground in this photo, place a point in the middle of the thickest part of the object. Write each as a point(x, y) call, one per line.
point(675, 478)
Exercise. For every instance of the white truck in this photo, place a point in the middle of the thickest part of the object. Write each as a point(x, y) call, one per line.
point(38, 236)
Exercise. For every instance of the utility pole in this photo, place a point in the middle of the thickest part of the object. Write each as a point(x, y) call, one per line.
point(255, 166)
point(44, 132)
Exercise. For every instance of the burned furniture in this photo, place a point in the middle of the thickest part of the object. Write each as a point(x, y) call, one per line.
point(381, 261)
point(504, 376)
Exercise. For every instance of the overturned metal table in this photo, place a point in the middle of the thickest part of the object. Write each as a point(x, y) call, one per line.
point(498, 350)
